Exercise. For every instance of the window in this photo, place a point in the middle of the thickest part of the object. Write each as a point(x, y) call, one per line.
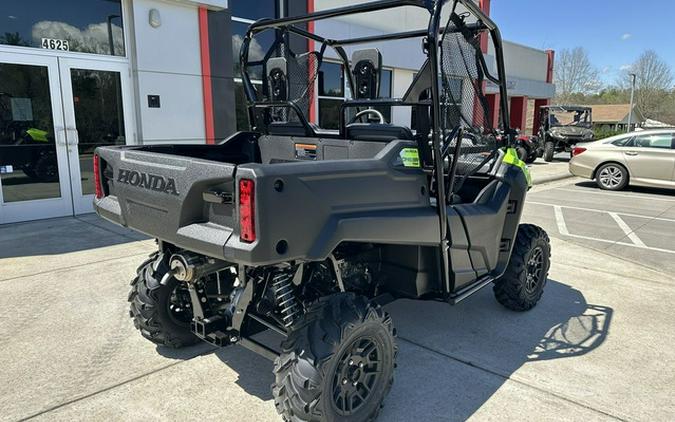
point(86, 26)
point(244, 13)
point(331, 80)
point(253, 10)
point(661, 140)
point(623, 142)
point(258, 47)
point(331, 94)
point(385, 92)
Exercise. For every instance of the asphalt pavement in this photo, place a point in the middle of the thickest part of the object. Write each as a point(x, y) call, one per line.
point(636, 224)
point(599, 346)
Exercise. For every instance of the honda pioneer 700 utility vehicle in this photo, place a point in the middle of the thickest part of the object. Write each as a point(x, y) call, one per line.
point(304, 233)
point(562, 127)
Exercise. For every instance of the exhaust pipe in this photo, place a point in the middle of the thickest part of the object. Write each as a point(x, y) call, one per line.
point(189, 267)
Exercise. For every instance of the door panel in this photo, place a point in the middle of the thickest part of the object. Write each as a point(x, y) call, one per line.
point(651, 159)
point(96, 113)
point(34, 178)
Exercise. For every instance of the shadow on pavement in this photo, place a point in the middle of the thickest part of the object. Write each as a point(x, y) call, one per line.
point(255, 372)
point(62, 235)
point(471, 349)
point(453, 359)
point(186, 353)
point(629, 189)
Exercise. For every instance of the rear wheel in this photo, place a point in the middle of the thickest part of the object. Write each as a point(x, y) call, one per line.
point(611, 176)
point(549, 151)
point(161, 312)
point(338, 365)
point(522, 285)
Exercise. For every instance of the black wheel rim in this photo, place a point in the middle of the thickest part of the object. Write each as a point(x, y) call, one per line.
point(180, 306)
point(357, 375)
point(535, 269)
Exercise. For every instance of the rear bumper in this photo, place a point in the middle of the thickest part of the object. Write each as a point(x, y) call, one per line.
point(580, 169)
point(206, 238)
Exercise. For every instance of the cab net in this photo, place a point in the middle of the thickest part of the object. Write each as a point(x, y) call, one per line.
point(463, 102)
point(299, 73)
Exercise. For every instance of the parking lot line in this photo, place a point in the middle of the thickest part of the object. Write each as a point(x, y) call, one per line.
point(618, 195)
point(626, 214)
point(562, 228)
point(627, 230)
point(560, 220)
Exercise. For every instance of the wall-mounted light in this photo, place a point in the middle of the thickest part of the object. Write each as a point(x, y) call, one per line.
point(154, 18)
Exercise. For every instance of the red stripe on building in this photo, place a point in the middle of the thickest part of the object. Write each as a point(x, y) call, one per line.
point(310, 47)
point(550, 54)
point(485, 8)
point(206, 74)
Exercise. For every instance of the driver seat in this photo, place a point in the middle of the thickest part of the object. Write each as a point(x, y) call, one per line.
point(377, 132)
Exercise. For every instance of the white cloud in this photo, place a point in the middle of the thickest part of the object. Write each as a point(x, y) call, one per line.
point(255, 50)
point(93, 39)
point(626, 36)
point(626, 67)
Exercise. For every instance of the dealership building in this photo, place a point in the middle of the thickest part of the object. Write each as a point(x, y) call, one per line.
point(76, 74)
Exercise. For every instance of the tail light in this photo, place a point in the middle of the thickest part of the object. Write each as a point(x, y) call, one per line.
point(247, 210)
point(97, 177)
point(577, 150)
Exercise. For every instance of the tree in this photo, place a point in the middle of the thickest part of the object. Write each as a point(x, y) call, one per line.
point(653, 83)
point(574, 74)
point(13, 38)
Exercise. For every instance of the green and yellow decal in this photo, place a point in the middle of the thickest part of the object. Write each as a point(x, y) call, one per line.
point(37, 135)
point(410, 157)
point(512, 159)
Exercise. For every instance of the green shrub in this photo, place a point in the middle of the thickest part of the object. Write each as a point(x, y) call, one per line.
point(603, 133)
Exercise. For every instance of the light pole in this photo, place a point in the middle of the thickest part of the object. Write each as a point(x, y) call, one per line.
point(632, 97)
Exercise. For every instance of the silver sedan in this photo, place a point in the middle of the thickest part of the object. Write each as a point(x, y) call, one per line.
point(639, 158)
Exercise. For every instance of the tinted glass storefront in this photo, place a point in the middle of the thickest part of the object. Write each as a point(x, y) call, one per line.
point(86, 26)
point(28, 165)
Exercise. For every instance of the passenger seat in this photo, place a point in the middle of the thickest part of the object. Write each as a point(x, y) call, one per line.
point(377, 132)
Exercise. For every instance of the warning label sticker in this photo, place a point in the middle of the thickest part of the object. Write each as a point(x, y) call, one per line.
point(410, 157)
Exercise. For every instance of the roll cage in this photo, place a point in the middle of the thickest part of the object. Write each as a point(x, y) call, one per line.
point(453, 52)
point(582, 112)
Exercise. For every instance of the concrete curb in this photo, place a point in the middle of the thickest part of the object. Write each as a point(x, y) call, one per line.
point(553, 178)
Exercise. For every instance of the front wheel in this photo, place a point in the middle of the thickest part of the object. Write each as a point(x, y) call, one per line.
point(338, 365)
point(522, 285)
point(549, 151)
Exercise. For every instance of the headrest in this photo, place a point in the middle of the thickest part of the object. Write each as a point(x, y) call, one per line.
point(367, 68)
point(277, 79)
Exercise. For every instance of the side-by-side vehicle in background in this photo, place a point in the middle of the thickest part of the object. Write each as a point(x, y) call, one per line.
point(564, 126)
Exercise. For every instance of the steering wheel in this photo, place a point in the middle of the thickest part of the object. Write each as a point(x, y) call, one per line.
point(362, 113)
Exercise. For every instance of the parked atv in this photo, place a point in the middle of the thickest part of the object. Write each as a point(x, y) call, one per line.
point(26, 147)
point(529, 148)
point(306, 232)
point(562, 127)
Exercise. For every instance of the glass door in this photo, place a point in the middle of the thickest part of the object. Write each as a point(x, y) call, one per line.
point(34, 175)
point(96, 110)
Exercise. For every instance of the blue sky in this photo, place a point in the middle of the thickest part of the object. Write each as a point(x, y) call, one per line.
point(615, 32)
